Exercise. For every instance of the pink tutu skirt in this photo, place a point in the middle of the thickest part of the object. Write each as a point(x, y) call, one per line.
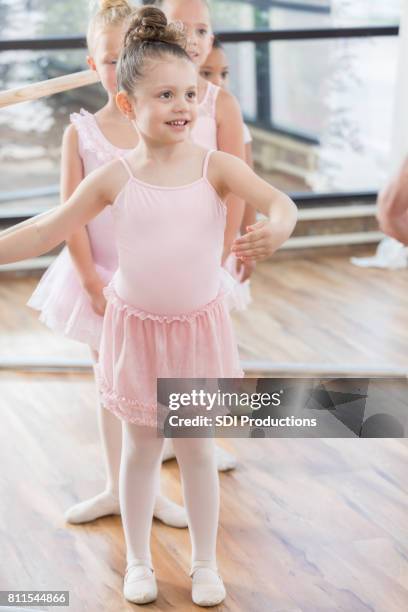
point(64, 304)
point(138, 347)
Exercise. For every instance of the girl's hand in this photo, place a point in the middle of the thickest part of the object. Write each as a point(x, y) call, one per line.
point(228, 174)
point(259, 243)
point(244, 269)
point(94, 290)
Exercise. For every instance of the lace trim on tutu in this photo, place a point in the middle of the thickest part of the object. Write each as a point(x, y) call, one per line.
point(91, 138)
point(113, 298)
point(130, 410)
point(134, 411)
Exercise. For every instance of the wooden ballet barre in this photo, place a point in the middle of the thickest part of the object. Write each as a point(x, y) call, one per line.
point(47, 88)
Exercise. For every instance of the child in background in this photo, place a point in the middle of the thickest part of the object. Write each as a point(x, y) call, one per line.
point(70, 294)
point(219, 123)
point(216, 70)
point(169, 208)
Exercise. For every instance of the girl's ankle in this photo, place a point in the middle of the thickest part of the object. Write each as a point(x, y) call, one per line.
point(203, 564)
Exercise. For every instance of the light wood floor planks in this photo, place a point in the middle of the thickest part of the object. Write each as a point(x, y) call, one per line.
point(306, 525)
point(307, 308)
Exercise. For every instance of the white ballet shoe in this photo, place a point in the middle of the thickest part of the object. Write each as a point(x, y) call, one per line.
point(140, 584)
point(168, 450)
point(207, 588)
point(225, 460)
point(107, 504)
point(170, 513)
point(104, 504)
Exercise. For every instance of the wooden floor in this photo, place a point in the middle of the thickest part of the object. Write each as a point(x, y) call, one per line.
point(307, 308)
point(306, 525)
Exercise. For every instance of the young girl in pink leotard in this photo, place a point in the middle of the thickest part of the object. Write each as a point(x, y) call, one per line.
point(70, 294)
point(169, 207)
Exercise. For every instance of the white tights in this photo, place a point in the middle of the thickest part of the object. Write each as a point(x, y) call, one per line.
point(110, 430)
point(134, 454)
point(139, 482)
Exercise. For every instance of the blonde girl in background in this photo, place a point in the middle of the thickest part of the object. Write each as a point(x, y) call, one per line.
point(70, 294)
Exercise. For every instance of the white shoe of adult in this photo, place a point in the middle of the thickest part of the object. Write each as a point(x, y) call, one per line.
point(140, 584)
point(207, 588)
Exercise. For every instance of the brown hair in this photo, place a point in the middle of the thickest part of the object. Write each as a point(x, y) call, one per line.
point(149, 36)
point(106, 13)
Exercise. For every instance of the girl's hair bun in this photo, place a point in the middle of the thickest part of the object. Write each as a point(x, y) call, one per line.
point(105, 13)
point(149, 37)
point(150, 24)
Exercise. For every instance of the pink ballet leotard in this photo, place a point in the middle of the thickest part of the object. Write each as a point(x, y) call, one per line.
point(64, 304)
point(204, 133)
point(166, 314)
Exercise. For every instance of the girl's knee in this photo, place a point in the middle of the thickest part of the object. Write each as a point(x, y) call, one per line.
point(141, 447)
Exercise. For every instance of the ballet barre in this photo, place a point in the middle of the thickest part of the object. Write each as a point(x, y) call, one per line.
point(252, 368)
point(34, 91)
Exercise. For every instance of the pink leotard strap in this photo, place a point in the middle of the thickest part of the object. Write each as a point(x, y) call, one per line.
point(126, 165)
point(206, 162)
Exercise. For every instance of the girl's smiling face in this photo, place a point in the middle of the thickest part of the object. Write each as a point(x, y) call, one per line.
point(195, 16)
point(215, 68)
point(105, 51)
point(164, 103)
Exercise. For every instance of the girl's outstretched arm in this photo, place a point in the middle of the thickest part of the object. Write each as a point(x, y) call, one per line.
point(230, 138)
point(46, 231)
point(30, 221)
point(71, 175)
point(231, 175)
